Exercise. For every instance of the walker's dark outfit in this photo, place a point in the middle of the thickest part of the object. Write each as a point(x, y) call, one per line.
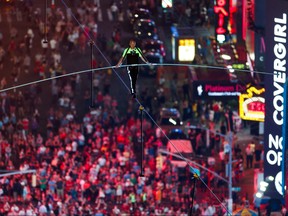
point(132, 58)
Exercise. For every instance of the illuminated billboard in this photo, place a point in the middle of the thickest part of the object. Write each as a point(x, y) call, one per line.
point(276, 64)
point(206, 90)
point(183, 44)
point(252, 104)
point(186, 50)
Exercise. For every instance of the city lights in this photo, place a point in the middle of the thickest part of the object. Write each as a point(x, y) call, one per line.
point(259, 195)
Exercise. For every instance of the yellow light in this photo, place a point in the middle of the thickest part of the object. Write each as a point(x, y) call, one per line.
point(186, 49)
point(245, 99)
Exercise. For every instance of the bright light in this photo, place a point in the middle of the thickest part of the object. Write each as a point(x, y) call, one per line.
point(226, 57)
point(167, 3)
point(263, 188)
point(263, 184)
point(259, 195)
point(172, 121)
point(252, 56)
point(231, 70)
point(220, 38)
point(181, 123)
point(186, 49)
point(270, 178)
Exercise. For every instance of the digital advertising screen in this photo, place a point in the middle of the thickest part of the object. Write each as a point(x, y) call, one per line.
point(276, 67)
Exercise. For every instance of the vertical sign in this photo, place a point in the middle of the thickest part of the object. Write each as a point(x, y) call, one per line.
point(284, 150)
point(221, 9)
point(276, 65)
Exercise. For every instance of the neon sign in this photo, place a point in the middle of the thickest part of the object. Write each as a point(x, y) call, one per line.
point(275, 136)
point(252, 105)
point(221, 10)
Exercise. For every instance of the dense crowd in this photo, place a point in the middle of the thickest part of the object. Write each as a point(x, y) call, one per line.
point(86, 165)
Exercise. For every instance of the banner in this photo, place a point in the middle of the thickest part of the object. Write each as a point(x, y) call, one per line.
point(276, 65)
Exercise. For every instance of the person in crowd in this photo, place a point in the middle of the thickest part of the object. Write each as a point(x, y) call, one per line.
point(249, 155)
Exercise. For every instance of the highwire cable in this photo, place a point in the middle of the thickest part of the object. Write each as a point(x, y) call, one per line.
point(122, 66)
point(113, 67)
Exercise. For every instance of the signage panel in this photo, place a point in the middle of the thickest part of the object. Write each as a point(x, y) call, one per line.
point(276, 65)
point(252, 104)
point(216, 89)
point(186, 50)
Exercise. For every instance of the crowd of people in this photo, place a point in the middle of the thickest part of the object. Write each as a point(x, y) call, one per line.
point(84, 164)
